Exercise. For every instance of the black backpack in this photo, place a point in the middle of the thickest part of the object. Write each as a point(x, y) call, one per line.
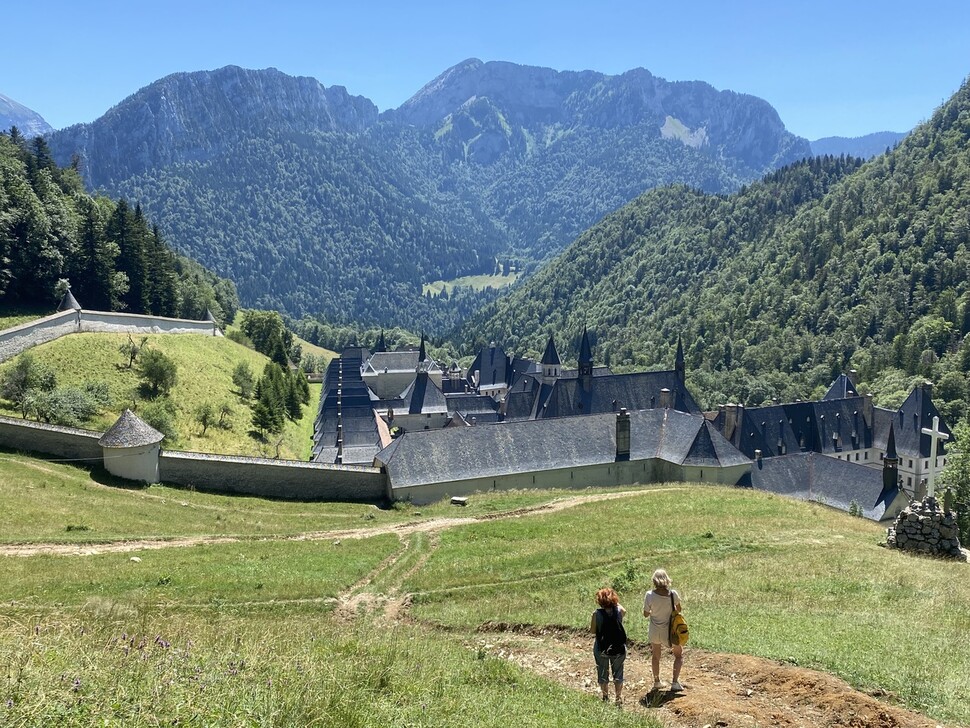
point(611, 636)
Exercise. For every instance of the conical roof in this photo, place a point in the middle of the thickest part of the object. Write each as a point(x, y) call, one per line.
point(68, 303)
point(422, 353)
point(551, 356)
point(210, 317)
point(130, 431)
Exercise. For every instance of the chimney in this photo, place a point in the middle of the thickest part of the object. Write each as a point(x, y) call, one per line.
point(867, 409)
point(622, 434)
point(666, 399)
point(732, 419)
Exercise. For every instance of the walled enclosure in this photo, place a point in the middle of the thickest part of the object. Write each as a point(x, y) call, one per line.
point(272, 478)
point(20, 338)
point(65, 442)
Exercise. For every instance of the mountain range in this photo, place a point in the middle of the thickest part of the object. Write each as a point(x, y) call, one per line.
point(866, 147)
point(313, 202)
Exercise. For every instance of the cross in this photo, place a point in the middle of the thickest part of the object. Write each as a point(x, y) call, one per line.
point(935, 437)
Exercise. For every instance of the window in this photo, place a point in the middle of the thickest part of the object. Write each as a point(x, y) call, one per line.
point(867, 455)
point(909, 482)
point(910, 463)
point(857, 457)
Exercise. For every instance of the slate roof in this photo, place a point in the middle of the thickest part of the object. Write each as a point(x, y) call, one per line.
point(493, 367)
point(470, 403)
point(392, 361)
point(811, 476)
point(594, 395)
point(841, 388)
point(423, 396)
point(68, 303)
point(130, 430)
point(551, 356)
point(434, 456)
point(597, 372)
point(358, 427)
point(915, 413)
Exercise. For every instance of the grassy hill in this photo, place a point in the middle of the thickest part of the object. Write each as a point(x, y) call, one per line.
point(205, 366)
point(276, 630)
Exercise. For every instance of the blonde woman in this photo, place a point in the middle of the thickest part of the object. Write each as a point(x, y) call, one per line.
point(659, 608)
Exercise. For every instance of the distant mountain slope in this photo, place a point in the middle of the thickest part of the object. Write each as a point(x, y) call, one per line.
point(29, 122)
point(312, 203)
point(778, 287)
point(866, 147)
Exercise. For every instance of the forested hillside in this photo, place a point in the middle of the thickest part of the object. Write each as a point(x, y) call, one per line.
point(821, 266)
point(114, 258)
point(314, 205)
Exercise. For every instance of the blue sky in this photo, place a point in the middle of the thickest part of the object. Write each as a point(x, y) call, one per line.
point(830, 68)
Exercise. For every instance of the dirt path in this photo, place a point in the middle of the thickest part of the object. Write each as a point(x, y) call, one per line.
point(721, 690)
point(401, 529)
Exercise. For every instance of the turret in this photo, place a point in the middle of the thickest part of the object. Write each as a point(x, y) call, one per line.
point(551, 363)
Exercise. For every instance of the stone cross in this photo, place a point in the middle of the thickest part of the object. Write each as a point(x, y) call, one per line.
point(935, 436)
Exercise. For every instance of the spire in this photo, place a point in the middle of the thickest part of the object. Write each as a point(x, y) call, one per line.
point(585, 356)
point(679, 365)
point(551, 364)
point(422, 354)
point(890, 471)
point(551, 356)
point(891, 445)
point(381, 342)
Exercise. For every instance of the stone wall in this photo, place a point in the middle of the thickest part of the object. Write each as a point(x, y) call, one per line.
point(289, 479)
point(927, 528)
point(19, 338)
point(64, 442)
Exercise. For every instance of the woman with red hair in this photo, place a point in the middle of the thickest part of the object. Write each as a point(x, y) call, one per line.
point(609, 646)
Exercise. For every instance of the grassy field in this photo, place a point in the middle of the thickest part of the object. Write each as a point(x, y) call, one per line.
point(205, 365)
point(759, 574)
point(245, 633)
point(479, 283)
point(11, 316)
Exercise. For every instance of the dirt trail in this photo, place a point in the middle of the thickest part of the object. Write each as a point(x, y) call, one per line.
point(721, 690)
point(401, 529)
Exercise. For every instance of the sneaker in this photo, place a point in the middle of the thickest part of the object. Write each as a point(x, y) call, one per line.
point(676, 687)
point(657, 685)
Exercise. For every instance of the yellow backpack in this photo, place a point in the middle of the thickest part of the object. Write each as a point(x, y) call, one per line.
point(679, 633)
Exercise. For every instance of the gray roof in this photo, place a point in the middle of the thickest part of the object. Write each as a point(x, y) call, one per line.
point(493, 367)
point(68, 303)
point(130, 431)
point(635, 391)
point(551, 356)
point(423, 396)
point(393, 361)
point(811, 476)
point(490, 450)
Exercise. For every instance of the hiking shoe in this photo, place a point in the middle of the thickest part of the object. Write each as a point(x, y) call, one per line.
point(676, 687)
point(657, 685)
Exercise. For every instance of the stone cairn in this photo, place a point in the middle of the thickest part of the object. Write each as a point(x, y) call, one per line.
point(926, 528)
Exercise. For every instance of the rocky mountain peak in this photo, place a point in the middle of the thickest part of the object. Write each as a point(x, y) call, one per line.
point(29, 122)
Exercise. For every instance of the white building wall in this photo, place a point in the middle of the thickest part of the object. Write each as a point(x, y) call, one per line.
point(133, 463)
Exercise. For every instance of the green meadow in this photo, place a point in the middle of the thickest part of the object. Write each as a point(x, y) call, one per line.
point(251, 632)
